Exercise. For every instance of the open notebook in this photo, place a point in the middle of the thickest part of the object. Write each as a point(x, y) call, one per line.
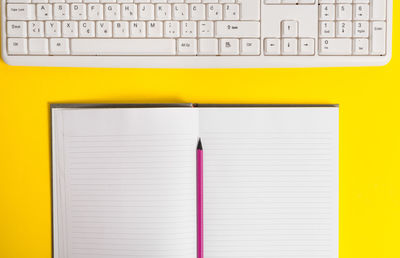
point(124, 181)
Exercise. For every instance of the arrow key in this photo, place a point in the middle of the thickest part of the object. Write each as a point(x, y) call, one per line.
point(307, 47)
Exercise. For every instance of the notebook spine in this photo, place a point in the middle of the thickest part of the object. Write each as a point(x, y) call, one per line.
point(120, 105)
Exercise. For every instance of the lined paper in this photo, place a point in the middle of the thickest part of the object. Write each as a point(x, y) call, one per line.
point(270, 182)
point(125, 183)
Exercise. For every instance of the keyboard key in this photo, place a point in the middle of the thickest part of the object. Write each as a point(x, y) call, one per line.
point(188, 29)
point(163, 12)
point(378, 38)
point(87, 29)
point(53, 29)
point(121, 29)
point(361, 12)
point(16, 29)
point(137, 29)
point(289, 47)
point(78, 12)
point(272, 2)
point(272, 47)
point(138, 47)
point(95, 12)
point(38, 46)
point(146, 12)
point(206, 29)
point(361, 46)
point(378, 10)
point(187, 47)
point(44, 11)
point(197, 12)
point(112, 12)
point(39, 1)
point(307, 47)
point(250, 47)
point(289, 29)
point(17, 46)
point(289, 1)
point(237, 29)
point(361, 29)
point(35, 29)
point(180, 12)
point(20, 12)
point(154, 29)
point(171, 29)
point(229, 47)
point(344, 12)
point(327, 29)
point(59, 46)
point(129, 12)
point(208, 47)
point(250, 10)
point(104, 29)
point(61, 12)
point(306, 1)
point(214, 12)
point(18, 1)
point(210, 1)
point(334, 47)
point(231, 12)
point(344, 29)
point(327, 12)
point(70, 29)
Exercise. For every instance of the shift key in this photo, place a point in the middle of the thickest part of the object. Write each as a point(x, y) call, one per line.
point(237, 29)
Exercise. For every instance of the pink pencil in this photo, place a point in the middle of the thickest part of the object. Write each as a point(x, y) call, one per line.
point(200, 229)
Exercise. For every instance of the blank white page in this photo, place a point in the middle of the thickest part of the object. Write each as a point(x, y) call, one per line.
point(270, 182)
point(124, 182)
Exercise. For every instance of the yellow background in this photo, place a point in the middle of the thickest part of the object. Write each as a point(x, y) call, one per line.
point(369, 219)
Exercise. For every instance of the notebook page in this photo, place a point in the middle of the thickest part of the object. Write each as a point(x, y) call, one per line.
point(124, 182)
point(270, 182)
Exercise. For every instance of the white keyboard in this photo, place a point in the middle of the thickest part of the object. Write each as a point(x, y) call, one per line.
point(197, 33)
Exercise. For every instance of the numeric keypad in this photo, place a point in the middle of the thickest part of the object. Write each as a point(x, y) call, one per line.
point(349, 27)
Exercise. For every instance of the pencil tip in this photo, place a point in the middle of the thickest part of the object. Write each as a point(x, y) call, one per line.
point(199, 145)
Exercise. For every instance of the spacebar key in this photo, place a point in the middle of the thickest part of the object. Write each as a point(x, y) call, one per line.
point(123, 47)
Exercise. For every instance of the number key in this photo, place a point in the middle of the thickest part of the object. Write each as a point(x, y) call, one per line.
point(327, 12)
point(361, 12)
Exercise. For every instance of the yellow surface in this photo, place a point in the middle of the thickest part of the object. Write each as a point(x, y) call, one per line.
point(369, 137)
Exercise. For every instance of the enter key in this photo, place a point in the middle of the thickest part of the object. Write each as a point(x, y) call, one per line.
point(237, 29)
